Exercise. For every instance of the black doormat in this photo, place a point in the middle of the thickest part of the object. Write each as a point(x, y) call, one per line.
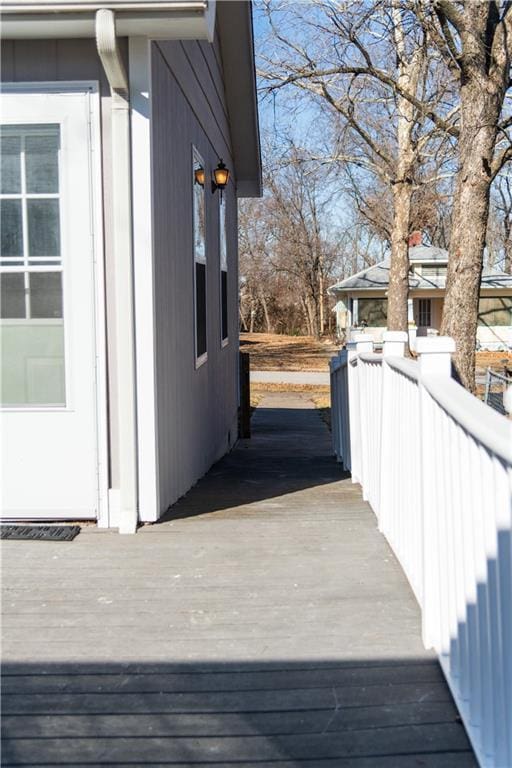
point(42, 532)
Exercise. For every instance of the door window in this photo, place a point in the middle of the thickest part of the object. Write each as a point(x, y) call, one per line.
point(31, 278)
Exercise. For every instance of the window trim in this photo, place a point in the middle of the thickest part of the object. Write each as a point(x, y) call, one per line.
point(224, 340)
point(199, 360)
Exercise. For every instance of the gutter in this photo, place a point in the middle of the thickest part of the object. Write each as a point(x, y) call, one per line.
point(108, 51)
point(155, 19)
point(82, 6)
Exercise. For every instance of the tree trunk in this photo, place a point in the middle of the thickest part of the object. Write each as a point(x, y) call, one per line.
point(479, 115)
point(243, 319)
point(253, 316)
point(321, 302)
point(507, 263)
point(398, 291)
point(410, 70)
point(268, 322)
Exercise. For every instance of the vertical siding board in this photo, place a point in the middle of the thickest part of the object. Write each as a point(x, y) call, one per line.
point(215, 67)
point(201, 56)
point(185, 62)
point(7, 60)
point(196, 408)
point(35, 60)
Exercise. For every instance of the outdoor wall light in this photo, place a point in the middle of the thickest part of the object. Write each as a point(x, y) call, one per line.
point(220, 177)
point(199, 176)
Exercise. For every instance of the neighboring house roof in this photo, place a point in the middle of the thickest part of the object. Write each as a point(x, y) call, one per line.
point(377, 278)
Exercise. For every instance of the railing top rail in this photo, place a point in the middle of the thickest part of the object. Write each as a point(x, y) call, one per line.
point(488, 427)
point(409, 368)
point(370, 357)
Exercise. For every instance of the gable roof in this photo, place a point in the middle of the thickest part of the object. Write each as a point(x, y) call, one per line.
point(427, 253)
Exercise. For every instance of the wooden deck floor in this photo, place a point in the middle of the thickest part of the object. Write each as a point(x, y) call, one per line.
point(265, 623)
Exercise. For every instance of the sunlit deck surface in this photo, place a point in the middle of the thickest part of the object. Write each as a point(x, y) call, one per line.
point(265, 622)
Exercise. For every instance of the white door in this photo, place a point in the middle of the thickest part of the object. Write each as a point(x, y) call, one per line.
point(47, 310)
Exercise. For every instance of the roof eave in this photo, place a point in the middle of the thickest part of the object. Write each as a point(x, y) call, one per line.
point(155, 19)
point(237, 45)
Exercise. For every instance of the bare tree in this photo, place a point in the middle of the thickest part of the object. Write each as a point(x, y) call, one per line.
point(346, 63)
point(367, 63)
point(286, 261)
point(474, 38)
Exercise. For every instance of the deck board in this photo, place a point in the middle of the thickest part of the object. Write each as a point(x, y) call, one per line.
point(264, 622)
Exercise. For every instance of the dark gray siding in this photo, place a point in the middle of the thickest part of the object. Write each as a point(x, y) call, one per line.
point(70, 60)
point(197, 409)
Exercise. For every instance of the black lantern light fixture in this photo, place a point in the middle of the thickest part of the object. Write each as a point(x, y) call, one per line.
point(220, 177)
point(199, 176)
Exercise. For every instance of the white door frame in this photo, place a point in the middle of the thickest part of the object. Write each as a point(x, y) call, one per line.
point(91, 88)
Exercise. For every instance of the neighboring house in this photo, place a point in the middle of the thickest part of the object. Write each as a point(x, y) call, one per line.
point(119, 312)
point(361, 299)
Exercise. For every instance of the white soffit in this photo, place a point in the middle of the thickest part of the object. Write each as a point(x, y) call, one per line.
point(157, 19)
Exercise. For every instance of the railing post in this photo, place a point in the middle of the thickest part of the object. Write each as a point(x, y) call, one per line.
point(390, 472)
point(434, 360)
point(364, 343)
point(435, 355)
point(245, 395)
point(359, 342)
point(342, 411)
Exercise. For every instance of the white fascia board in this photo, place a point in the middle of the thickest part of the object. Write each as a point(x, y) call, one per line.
point(155, 20)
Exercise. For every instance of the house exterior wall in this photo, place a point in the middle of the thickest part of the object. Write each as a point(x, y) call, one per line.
point(77, 60)
point(196, 407)
point(489, 337)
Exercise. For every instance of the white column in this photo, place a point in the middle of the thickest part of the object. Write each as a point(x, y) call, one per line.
point(355, 312)
point(140, 98)
point(411, 323)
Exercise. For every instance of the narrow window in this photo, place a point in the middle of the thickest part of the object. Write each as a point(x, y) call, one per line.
point(424, 313)
point(223, 251)
point(198, 177)
point(31, 268)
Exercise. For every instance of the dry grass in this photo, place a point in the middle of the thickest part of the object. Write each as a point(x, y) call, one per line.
point(274, 352)
point(319, 394)
point(260, 387)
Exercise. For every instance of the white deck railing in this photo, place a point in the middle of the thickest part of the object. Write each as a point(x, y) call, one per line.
point(435, 464)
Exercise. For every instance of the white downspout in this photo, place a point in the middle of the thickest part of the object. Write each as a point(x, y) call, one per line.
point(108, 51)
